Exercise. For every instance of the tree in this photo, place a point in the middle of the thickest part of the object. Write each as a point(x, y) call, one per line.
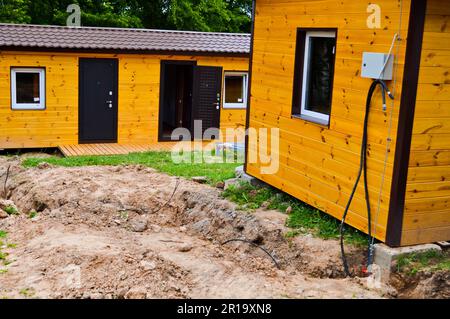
point(200, 15)
point(93, 13)
point(14, 11)
point(210, 15)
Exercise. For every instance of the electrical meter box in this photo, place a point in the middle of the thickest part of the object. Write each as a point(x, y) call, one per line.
point(373, 64)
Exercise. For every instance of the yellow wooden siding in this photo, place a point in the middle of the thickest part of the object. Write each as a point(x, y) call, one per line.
point(58, 123)
point(139, 77)
point(427, 205)
point(318, 165)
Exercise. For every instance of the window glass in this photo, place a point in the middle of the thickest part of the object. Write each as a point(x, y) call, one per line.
point(235, 86)
point(27, 88)
point(235, 89)
point(314, 75)
point(320, 75)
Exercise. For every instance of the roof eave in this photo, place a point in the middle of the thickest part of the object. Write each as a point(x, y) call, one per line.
point(117, 51)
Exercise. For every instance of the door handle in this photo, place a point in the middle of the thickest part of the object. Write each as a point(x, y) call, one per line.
point(110, 104)
point(217, 105)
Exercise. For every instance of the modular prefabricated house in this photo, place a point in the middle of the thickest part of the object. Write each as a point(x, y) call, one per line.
point(309, 80)
point(70, 85)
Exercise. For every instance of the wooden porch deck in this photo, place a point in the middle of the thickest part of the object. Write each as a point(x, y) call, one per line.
point(115, 149)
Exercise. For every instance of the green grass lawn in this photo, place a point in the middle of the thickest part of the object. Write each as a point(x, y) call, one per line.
point(428, 261)
point(302, 219)
point(161, 161)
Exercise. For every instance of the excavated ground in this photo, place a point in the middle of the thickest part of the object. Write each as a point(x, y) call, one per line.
point(130, 232)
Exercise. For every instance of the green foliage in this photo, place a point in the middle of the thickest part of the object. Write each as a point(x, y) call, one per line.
point(209, 15)
point(248, 196)
point(200, 15)
point(14, 11)
point(11, 210)
point(4, 255)
point(432, 260)
point(32, 214)
point(162, 161)
point(27, 292)
point(302, 218)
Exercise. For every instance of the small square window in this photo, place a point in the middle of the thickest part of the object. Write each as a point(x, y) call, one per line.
point(314, 75)
point(28, 88)
point(235, 90)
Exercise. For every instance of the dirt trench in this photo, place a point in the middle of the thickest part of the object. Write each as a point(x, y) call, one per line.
point(130, 232)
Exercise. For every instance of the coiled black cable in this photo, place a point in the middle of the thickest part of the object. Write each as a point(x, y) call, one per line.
point(363, 170)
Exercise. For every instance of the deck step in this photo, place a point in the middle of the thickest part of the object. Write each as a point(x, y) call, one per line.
point(116, 149)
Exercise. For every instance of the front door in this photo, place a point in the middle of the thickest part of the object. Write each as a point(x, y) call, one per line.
point(207, 98)
point(98, 103)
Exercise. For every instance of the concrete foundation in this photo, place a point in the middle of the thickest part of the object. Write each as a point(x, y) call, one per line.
point(244, 177)
point(386, 256)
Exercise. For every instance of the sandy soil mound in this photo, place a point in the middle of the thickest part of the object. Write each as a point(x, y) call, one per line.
point(130, 232)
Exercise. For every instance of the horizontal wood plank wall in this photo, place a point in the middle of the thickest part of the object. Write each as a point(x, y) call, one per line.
point(229, 118)
point(139, 95)
point(139, 86)
point(318, 164)
point(427, 205)
point(58, 123)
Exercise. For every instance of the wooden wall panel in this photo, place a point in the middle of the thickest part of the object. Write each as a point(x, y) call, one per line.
point(56, 125)
point(319, 164)
point(139, 87)
point(230, 118)
point(427, 209)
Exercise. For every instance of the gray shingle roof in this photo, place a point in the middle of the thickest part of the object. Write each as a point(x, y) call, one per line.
point(117, 39)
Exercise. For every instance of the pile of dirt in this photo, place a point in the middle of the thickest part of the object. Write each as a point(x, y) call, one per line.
point(423, 285)
point(134, 197)
point(130, 232)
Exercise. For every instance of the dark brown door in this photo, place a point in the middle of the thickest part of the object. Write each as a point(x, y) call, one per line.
point(181, 107)
point(98, 107)
point(207, 97)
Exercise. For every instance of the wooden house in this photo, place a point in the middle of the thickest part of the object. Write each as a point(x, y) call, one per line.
point(69, 86)
point(321, 117)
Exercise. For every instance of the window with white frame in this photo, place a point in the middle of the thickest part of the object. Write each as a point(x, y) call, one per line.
point(28, 88)
point(314, 75)
point(235, 90)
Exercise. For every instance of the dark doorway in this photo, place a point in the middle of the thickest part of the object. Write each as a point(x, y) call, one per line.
point(176, 97)
point(188, 93)
point(98, 100)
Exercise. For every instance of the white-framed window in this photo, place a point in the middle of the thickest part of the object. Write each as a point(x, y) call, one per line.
point(235, 90)
point(27, 88)
point(318, 74)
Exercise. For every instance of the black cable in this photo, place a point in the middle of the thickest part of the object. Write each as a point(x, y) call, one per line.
point(363, 170)
point(169, 200)
point(255, 245)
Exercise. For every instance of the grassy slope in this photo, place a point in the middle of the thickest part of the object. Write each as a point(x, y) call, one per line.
point(302, 218)
point(161, 161)
point(428, 261)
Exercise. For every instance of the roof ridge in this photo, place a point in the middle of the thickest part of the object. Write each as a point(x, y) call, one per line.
point(143, 30)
